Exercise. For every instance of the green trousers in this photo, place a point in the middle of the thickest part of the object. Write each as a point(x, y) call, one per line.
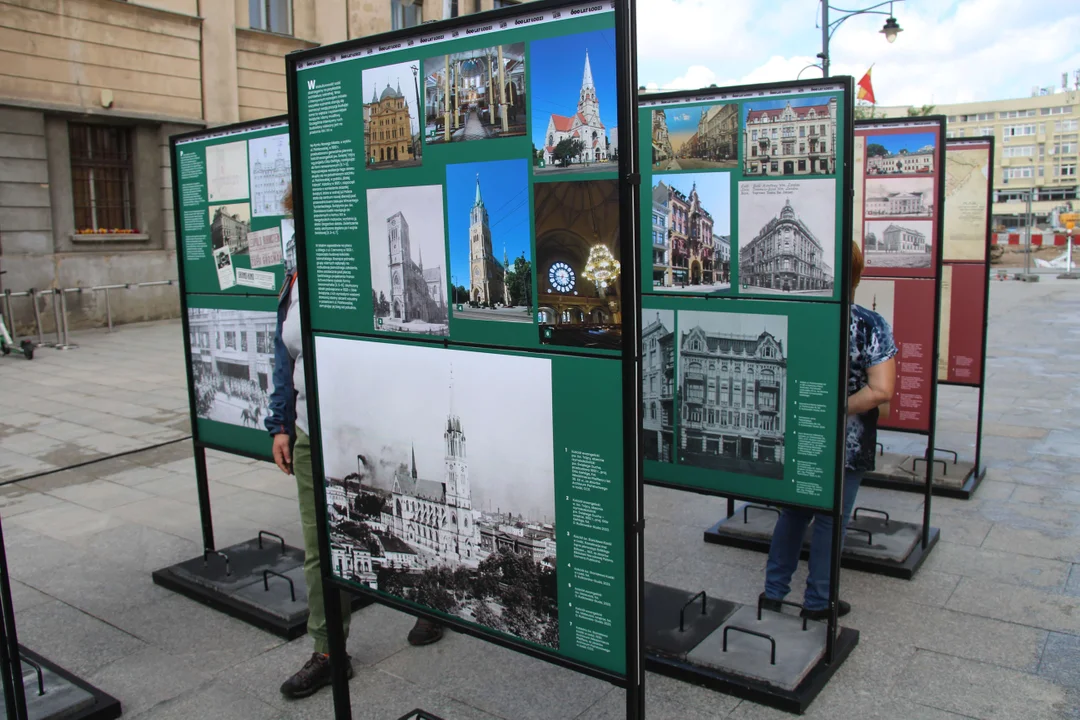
point(305, 489)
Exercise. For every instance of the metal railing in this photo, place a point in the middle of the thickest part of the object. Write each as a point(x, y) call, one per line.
point(59, 307)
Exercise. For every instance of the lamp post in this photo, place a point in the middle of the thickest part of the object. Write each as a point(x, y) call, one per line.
point(889, 30)
point(420, 102)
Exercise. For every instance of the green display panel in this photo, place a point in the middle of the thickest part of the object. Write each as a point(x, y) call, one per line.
point(233, 234)
point(231, 341)
point(743, 226)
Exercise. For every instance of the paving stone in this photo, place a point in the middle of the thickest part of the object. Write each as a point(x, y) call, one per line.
point(665, 699)
point(66, 521)
point(1047, 543)
point(16, 500)
point(1021, 605)
point(139, 548)
point(74, 640)
point(136, 476)
point(216, 699)
point(998, 565)
point(99, 587)
point(149, 677)
point(100, 494)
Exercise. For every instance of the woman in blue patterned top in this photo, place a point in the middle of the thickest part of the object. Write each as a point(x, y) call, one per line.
point(871, 377)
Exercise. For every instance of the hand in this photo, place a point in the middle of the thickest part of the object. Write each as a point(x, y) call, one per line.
point(283, 453)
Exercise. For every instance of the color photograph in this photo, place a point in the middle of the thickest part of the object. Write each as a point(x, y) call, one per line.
point(475, 95)
point(232, 364)
point(900, 244)
point(229, 226)
point(698, 137)
point(392, 116)
point(490, 251)
point(658, 383)
point(408, 293)
point(732, 392)
point(900, 154)
point(271, 171)
point(793, 136)
point(574, 123)
point(416, 512)
point(787, 237)
point(900, 197)
point(691, 233)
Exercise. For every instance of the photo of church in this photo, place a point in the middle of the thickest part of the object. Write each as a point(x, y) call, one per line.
point(392, 116)
point(732, 394)
point(899, 244)
point(578, 263)
point(431, 496)
point(408, 291)
point(475, 94)
point(490, 249)
point(581, 136)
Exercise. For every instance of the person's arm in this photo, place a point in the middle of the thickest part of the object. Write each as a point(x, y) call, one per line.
point(880, 383)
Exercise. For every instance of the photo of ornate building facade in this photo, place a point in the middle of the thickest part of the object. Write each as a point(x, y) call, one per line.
point(391, 117)
point(661, 142)
point(906, 197)
point(230, 228)
point(792, 137)
point(690, 236)
point(271, 173)
point(658, 384)
point(417, 293)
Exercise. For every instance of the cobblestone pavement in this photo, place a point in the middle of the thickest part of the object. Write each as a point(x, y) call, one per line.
point(989, 628)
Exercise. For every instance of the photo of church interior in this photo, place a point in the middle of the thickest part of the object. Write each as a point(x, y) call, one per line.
point(475, 95)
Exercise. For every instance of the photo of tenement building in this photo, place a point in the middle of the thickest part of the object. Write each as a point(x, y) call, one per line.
point(230, 227)
point(786, 255)
point(690, 256)
point(902, 197)
point(732, 392)
point(790, 137)
point(905, 244)
point(661, 141)
point(658, 383)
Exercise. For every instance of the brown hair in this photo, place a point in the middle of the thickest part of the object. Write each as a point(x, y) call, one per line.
point(856, 267)
point(287, 200)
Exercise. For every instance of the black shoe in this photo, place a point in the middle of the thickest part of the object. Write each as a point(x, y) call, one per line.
point(843, 609)
point(28, 349)
point(767, 603)
point(425, 632)
point(311, 678)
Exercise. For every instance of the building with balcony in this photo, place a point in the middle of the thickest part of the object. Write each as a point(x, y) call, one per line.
point(658, 384)
point(692, 248)
point(661, 141)
point(661, 245)
point(786, 256)
point(718, 131)
point(796, 139)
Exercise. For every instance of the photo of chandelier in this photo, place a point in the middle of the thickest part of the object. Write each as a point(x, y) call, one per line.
point(602, 268)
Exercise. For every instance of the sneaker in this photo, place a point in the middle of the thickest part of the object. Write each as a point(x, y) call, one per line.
point(768, 603)
point(425, 632)
point(823, 614)
point(311, 678)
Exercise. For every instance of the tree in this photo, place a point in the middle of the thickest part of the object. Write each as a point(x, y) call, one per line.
point(876, 150)
point(384, 306)
point(519, 282)
point(865, 111)
point(920, 111)
point(567, 150)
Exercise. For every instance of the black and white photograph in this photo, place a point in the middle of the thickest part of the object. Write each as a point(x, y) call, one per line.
point(787, 237)
point(900, 197)
point(898, 244)
point(392, 116)
point(408, 259)
point(224, 266)
point(466, 528)
point(232, 359)
point(658, 383)
point(229, 226)
point(475, 94)
point(732, 392)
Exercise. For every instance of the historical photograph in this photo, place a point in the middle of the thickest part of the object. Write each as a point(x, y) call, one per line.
point(879, 295)
point(467, 529)
point(732, 392)
point(658, 383)
point(787, 237)
point(288, 243)
point(232, 364)
point(691, 232)
point(227, 172)
point(900, 244)
point(794, 136)
point(408, 292)
point(699, 137)
point(578, 263)
point(475, 94)
point(900, 154)
point(392, 116)
point(271, 171)
point(900, 197)
point(229, 226)
point(585, 137)
point(490, 250)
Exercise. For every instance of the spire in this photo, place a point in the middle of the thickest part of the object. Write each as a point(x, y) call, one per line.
point(374, 95)
point(421, 259)
point(479, 200)
point(399, 86)
point(586, 81)
point(414, 461)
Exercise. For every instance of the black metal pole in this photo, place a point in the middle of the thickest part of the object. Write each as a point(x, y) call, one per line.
point(14, 691)
point(986, 314)
point(825, 40)
point(202, 483)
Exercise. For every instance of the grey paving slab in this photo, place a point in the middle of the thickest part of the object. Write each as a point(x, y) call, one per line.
point(215, 699)
point(74, 640)
point(1041, 543)
point(17, 499)
point(147, 678)
point(139, 548)
point(100, 494)
point(1022, 605)
point(998, 565)
point(1072, 585)
point(66, 521)
point(1061, 660)
point(665, 699)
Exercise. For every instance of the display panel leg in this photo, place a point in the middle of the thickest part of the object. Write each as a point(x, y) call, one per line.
point(14, 692)
point(202, 482)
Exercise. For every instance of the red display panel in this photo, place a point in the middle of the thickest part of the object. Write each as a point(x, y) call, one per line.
point(963, 318)
point(906, 304)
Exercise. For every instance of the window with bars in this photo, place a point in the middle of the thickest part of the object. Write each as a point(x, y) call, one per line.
point(103, 177)
point(406, 13)
point(271, 15)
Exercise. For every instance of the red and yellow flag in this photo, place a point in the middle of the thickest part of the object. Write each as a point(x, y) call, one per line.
point(866, 90)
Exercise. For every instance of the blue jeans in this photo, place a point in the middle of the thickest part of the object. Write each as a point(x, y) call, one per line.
point(787, 543)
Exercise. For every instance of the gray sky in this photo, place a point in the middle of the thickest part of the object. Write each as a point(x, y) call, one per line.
point(743, 324)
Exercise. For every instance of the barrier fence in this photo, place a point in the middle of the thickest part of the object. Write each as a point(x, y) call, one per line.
point(1047, 240)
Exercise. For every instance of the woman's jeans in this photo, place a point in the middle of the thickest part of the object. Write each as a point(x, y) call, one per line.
point(787, 542)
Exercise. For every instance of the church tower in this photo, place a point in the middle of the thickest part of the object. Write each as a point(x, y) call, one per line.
point(458, 491)
point(588, 106)
point(485, 274)
point(397, 234)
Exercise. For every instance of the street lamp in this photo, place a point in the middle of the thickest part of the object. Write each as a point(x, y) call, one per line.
point(889, 30)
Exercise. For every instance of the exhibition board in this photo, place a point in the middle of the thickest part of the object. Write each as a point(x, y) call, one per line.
point(467, 274)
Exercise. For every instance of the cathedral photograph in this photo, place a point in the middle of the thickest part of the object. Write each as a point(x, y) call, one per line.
point(392, 116)
point(699, 137)
point(487, 208)
point(475, 94)
point(229, 227)
point(582, 135)
point(433, 494)
point(732, 395)
point(408, 259)
point(691, 239)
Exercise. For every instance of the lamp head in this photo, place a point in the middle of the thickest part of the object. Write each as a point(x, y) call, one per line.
point(891, 29)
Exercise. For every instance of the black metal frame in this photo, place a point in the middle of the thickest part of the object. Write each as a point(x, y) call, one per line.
point(629, 179)
point(839, 642)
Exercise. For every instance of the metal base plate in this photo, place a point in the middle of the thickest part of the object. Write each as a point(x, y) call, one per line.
point(66, 697)
point(666, 604)
point(419, 714)
point(897, 472)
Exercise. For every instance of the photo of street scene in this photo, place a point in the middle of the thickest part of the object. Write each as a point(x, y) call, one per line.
point(792, 136)
point(578, 263)
point(475, 94)
point(466, 529)
point(900, 197)
point(392, 116)
point(658, 383)
point(574, 124)
point(229, 226)
point(732, 392)
point(691, 233)
point(787, 237)
point(408, 294)
point(900, 154)
point(490, 252)
point(899, 244)
point(698, 137)
point(232, 357)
